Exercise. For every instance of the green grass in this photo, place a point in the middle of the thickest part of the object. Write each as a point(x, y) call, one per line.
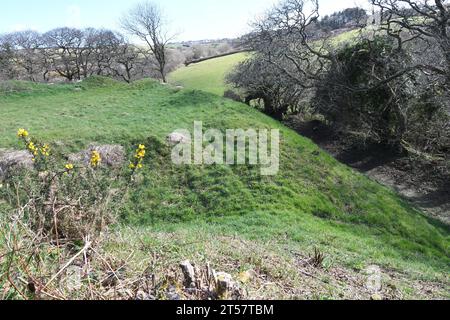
point(314, 201)
point(209, 75)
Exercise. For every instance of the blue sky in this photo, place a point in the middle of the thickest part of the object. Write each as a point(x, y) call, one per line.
point(192, 19)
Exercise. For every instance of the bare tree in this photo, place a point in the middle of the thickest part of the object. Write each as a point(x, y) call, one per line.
point(26, 45)
point(64, 47)
point(100, 49)
point(378, 88)
point(419, 20)
point(7, 70)
point(286, 38)
point(127, 62)
point(106, 52)
point(146, 21)
point(266, 86)
point(71, 54)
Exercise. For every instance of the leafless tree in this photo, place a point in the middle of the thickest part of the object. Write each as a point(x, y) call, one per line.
point(286, 38)
point(27, 45)
point(71, 54)
point(108, 50)
point(64, 48)
point(198, 52)
point(287, 33)
point(419, 20)
point(128, 61)
point(100, 50)
point(377, 88)
point(7, 69)
point(147, 22)
point(266, 86)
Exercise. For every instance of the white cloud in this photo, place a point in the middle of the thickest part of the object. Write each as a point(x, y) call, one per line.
point(73, 16)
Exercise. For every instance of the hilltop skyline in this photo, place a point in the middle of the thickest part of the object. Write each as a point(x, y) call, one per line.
point(224, 19)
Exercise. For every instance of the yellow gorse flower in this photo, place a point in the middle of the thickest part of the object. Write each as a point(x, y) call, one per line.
point(32, 148)
point(96, 159)
point(69, 167)
point(140, 152)
point(45, 150)
point(139, 156)
point(22, 133)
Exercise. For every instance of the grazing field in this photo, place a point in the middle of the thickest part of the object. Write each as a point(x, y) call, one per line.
point(230, 215)
point(209, 75)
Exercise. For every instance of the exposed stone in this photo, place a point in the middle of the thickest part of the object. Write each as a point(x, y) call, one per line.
point(176, 138)
point(225, 285)
point(112, 155)
point(172, 294)
point(12, 160)
point(376, 297)
point(189, 274)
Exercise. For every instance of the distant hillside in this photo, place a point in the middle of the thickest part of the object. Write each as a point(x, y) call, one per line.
point(208, 75)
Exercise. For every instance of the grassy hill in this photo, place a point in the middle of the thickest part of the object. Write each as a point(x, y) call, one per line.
point(230, 215)
point(208, 75)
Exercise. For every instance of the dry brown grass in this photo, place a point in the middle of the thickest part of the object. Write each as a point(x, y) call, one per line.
point(141, 264)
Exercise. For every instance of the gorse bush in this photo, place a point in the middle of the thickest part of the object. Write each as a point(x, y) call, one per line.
point(65, 201)
point(68, 206)
point(53, 209)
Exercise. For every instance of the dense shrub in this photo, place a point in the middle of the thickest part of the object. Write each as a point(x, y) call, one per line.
point(405, 112)
point(387, 85)
point(350, 97)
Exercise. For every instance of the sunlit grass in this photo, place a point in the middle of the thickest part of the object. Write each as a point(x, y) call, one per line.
point(209, 75)
point(313, 202)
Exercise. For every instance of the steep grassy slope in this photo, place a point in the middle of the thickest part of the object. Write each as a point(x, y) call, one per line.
point(208, 75)
point(314, 201)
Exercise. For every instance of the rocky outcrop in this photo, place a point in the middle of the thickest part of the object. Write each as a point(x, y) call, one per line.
point(11, 160)
point(208, 283)
point(111, 155)
point(189, 274)
point(176, 138)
